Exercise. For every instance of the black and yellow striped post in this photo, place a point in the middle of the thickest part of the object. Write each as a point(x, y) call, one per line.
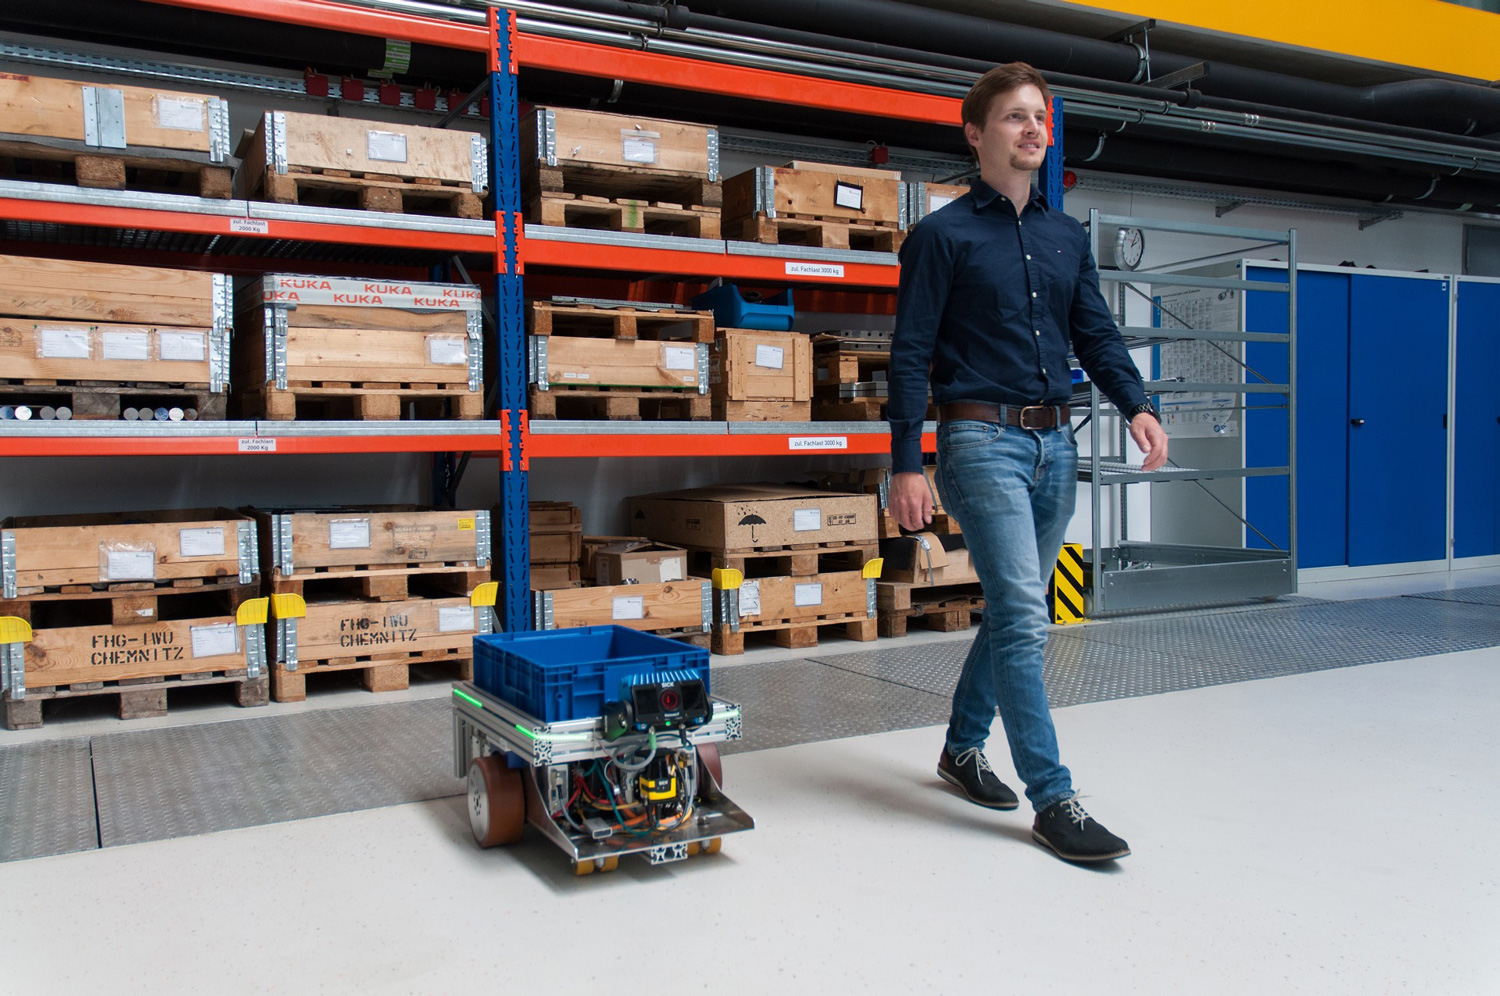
point(1066, 591)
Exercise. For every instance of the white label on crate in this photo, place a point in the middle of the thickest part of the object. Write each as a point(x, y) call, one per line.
point(807, 519)
point(257, 445)
point(772, 357)
point(447, 349)
point(638, 146)
point(749, 599)
point(670, 569)
point(817, 443)
point(835, 270)
point(349, 534)
point(201, 542)
point(847, 195)
point(935, 201)
point(179, 113)
point(455, 618)
point(575, 375)
point(679, 358)
point(189, 346)
point(215, 641)
point(62, 344)
point(126, 345)
point(807, 594)
point(250, 226)
point(386, 146)
point(629, 607)
point(130, 565)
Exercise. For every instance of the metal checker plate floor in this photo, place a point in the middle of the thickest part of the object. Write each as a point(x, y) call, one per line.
point(52, 786)
point(1485, 595)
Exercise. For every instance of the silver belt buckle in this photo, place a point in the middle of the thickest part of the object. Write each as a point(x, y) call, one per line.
point(1025, 424)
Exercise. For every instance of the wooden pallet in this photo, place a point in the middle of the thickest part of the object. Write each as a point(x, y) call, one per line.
point(64, 162)
point(369, 192)
point(798, 633)
point(761, 411)
point(825, 233)
point(942, 523)
point(853, 410)
point(391, 402)
point(623, 214)
point(141, 698)
point(618, 322)
point(378, 672)
point(624, 403)
point(381, 582)
point(129, 602)
point(102, 401)
point(792, 561)
point(688, 190)
point(946, 609)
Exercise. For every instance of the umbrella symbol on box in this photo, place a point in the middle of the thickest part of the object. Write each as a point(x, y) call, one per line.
point(752, 520)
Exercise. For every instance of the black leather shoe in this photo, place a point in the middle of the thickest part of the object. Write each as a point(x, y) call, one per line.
point(1074, 835)
point(971, 771)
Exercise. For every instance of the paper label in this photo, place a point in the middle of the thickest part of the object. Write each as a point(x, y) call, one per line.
point(629, 607)
point(455, 618)
point(447, 349)
point(847, 195)
point(772, 357)
point(62, 344)
point(215, 641)
point(807, 519)
point(179, 113)
point(466, 525)
point(638, 146)
point(257, 445)
point(126, 345)
point(130, 565)
point(817, 443)
point(750, 599)
point(935, 201)
point(201, 542)
point(386, 146)
point(835, 270)
point(190, 346)
point(250, 226)
point(349, 534)
point(807, 594)
point(679, 358)
point(671, 569)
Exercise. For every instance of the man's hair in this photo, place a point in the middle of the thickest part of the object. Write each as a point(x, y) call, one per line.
point(998, 81)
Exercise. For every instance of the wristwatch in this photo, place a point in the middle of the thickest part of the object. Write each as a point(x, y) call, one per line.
point(1144, 408)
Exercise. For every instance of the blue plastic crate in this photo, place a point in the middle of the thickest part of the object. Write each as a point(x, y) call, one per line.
point(732, 311)
point(563, 674)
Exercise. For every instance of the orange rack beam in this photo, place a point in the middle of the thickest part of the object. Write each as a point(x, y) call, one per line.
point(238, 445)
point(693, 445)
point(763, 269)
point(343, 17)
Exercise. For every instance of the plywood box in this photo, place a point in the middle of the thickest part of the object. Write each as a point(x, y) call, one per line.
point(762, 376)
point(73, 655)
point(828, 194)
point(306, 541)
point(56, 350)
point(675, 605)
point(360, 631)
point(574, 361)
point(561, 136)
point(754, 516)
point(35, 287)
point(639, 563)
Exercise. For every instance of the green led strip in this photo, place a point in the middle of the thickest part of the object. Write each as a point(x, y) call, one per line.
point(468, 698)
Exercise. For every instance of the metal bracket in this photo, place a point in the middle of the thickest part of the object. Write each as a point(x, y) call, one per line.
point(104, 117)
point(663, 853)
point(8, 563)
point(537, 361)
point(765, 191)
point(870, 598)
point(1181, 77)
point(223, 331)
point(905, 204)
point(13, 671)
point(1371, 220)
point(708, 606)
point(276, 349)
point(482, 538)
point(249, 554)
point(884, 489)
point(484, 621)
point(276, 141)
point(543, 617)
point(281, 543)
point(703, 367)
point(713, 154)
point(729, 609)
point(1220, 210)
point(475, 332)
point(546, 135)
point(286, 643)
point(479, 165)
point(218, 129)
point(255, 650)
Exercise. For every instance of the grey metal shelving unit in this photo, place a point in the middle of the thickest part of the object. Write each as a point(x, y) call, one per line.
point(1135, 575)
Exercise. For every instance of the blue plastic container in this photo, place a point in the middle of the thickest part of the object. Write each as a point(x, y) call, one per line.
point(563, 674)
point(732, 311)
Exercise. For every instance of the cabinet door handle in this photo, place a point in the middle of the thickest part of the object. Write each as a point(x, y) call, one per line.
point(1356, 421)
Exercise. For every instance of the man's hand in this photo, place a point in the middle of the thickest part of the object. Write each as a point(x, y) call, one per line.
point(911, 501)
point(1151, 438)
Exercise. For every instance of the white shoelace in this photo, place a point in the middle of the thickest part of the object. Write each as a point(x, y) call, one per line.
point(984, 762)
point(1076, 812)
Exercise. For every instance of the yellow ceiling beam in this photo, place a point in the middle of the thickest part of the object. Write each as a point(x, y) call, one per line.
point(1423, 34)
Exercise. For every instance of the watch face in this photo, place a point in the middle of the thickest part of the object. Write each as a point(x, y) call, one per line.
point(1130, 246)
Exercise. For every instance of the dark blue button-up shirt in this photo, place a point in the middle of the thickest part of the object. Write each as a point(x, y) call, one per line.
point(991, 301)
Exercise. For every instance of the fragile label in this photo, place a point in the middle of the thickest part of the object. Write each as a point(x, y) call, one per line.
point(130, 565)
point(638, 146)
point(63, 344)
point(835, 270)
point(215, 641)
point(201, 542)
point(807, 519)
point(126, 345)
point(455, 618)
point(772, 357)
point(629, 607)
point(847, 195)
point(348, 534)
point(750, 599)
point(447, 349)
point(817, 442)
point(250, 226)
point(679, 358)
point(178, 113)
point(386, 146)
point(257, 445)
point(807, 594)
point(188, 346)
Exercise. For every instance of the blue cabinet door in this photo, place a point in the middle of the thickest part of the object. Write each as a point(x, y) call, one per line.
point(1476, 426)
point(1322, 417)
point(1398, 401)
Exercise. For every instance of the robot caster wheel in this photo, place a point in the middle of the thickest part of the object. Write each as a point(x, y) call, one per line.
point(590, 865)
point(710, 846)
point(497, 801)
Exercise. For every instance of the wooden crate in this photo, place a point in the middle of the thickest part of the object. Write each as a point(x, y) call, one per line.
point(675, 607)
point(924, 198)
point(368, 346)
point(623, 377)
point(294, 158)
point(113, 137)
point(35, 287)
point(793, 609)
point(618, 321)
point(552, 576)
point(79, 655)
point(61, 353)
point(798, 561)
point(136, 551)
point(830, 207)
point(357, 542)
point(761, 376)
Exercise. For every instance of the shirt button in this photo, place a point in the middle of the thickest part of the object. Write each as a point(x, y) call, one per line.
point(1037, 332)
point(1028, 255)
point(1033, 293)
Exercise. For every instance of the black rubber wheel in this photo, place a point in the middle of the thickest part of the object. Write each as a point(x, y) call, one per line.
point(497, 801)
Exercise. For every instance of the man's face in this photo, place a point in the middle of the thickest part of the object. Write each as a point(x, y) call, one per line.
point(1014, 133)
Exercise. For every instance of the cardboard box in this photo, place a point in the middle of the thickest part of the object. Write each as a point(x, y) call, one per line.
point(754, 516)
point(927, 559)
point(640, 563)
point(593, 544)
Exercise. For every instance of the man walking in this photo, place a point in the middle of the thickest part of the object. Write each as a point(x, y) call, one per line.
point(995, 288)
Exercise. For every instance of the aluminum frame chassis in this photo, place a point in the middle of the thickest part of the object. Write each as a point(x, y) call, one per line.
point(550, 749)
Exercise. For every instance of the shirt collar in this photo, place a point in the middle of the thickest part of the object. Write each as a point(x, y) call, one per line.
point(984, 195)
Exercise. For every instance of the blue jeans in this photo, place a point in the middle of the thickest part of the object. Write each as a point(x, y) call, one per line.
point(1012, 491)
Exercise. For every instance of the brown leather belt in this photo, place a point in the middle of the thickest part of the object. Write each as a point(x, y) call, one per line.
point(1025, 417)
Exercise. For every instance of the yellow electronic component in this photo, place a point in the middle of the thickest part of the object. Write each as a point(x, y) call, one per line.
point(726, 578)
point(253, 612)
point(288, 606)
point(485, 594)
point(660, 789)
